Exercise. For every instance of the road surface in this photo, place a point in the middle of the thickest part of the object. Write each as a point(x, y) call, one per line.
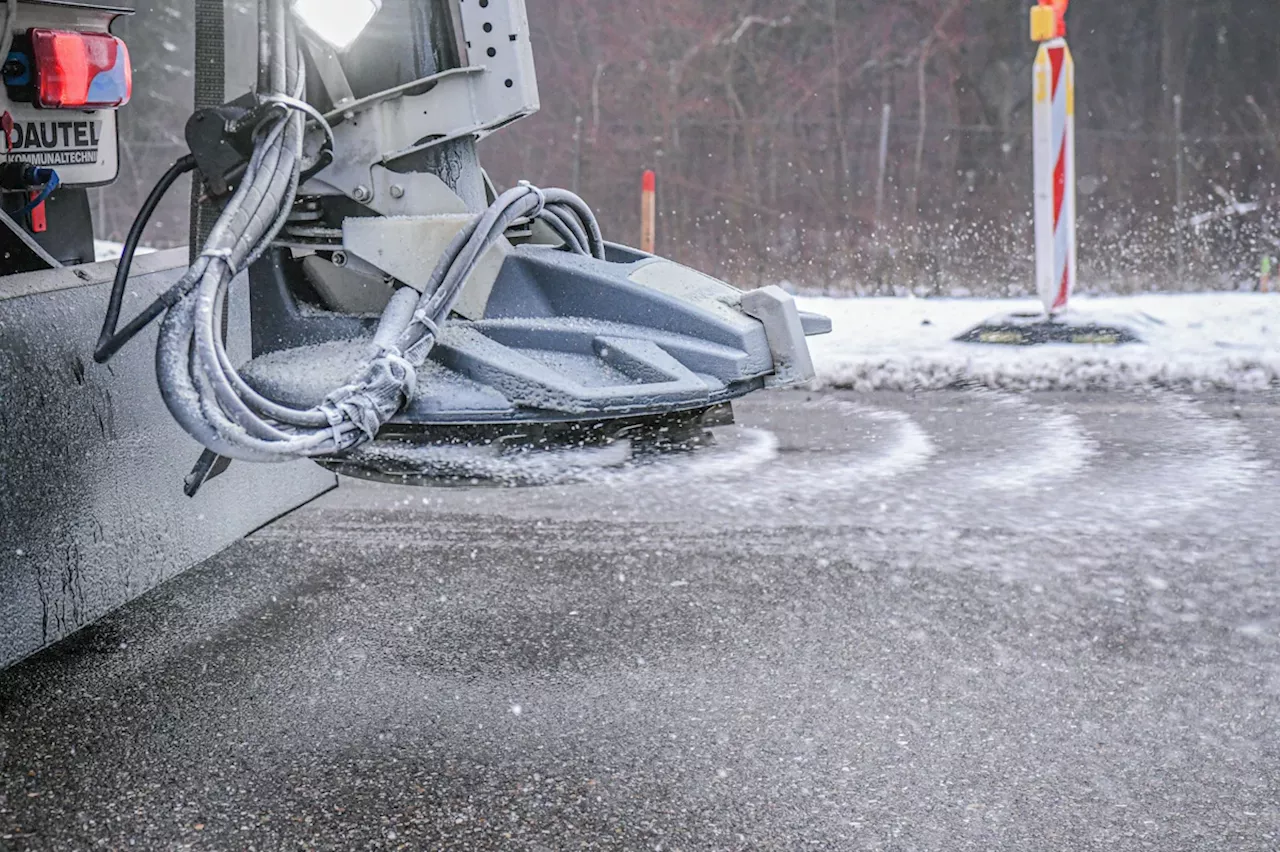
point(951, 622)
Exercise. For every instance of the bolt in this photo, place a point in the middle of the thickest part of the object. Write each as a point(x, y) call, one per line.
point(397, 191)
point(339, 259)
point(362, 194)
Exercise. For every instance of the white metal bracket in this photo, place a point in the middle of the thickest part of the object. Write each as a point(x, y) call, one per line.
point(497, 86)
point(776, 309)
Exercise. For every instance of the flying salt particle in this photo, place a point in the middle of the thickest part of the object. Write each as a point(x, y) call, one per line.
point(516, 709)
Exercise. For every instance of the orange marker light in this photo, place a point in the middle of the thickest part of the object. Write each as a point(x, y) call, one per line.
point(1049, 20)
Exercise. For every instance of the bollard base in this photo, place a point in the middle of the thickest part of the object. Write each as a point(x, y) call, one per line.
point(1035, 329)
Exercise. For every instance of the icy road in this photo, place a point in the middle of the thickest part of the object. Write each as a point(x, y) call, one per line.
point(956, 621)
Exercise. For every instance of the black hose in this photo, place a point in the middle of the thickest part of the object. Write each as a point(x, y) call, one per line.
point(110, 342)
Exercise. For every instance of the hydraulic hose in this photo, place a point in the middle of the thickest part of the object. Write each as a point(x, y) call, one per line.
point(110, 341)
point(197, 378)
point(212, 401)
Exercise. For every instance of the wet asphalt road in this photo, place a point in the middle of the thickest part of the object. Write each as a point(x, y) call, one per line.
point(950, 622)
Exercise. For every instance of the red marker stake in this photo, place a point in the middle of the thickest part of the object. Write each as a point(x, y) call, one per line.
point(649, 212)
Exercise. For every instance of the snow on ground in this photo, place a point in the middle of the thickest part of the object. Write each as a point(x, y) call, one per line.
point(1223, 341)
point(106, 250)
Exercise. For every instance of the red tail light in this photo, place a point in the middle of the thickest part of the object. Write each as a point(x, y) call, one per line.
point(80, 70)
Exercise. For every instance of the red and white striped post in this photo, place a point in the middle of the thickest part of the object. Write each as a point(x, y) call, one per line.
point(1055, 156)
point(649, 211)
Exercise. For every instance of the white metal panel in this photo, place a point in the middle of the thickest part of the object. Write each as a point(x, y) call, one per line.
point(497, 85)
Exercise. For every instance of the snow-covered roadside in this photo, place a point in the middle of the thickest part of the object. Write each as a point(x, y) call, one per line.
point(1222, 341)
point(1198, 341)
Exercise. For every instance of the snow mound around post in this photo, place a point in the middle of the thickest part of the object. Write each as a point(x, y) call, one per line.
point(1194, 342)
